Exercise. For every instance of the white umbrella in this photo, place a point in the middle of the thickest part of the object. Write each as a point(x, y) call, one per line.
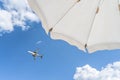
point(91, 24)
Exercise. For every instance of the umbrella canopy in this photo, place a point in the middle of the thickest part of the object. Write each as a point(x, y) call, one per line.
point(88, 24)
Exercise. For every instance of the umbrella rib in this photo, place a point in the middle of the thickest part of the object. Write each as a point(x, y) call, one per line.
point(77, 1)
point(93, 21)
point(119, 4)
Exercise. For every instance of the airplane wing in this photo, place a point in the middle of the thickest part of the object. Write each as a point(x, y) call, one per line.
point(30, 52)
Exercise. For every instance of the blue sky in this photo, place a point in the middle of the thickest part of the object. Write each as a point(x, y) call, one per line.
point(61, 61)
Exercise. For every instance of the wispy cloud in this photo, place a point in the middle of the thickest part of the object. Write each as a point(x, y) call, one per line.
point(38, 42)
point(110, 72)
point(15, 13)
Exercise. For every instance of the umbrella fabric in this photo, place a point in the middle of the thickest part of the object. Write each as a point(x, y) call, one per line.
point(91, 24)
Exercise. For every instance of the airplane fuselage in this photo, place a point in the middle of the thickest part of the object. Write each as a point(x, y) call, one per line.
point(34, 54)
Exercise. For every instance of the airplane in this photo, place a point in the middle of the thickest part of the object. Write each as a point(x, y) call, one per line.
point(35, 54)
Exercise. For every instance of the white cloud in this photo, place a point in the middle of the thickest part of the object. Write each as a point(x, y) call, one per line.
point(5, 21)
point(110, 72)
point(15, 13)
